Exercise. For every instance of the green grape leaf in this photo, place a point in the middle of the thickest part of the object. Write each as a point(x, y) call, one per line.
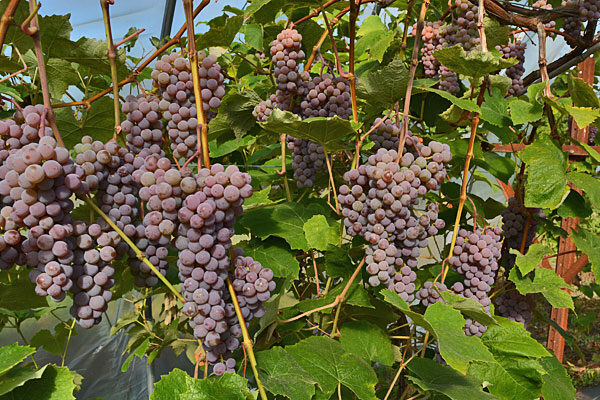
point(275, 254)
point(237, 108)
point(12, 355)
point(318, 233)
point(56, 383)
point(522, 111)
point(528, 262)
point(285, 220)
point(178, 384)
point(281, 374)
point(329, 365)
point(545, 282)
point(589, 243)
point(493, 109)
point(253, 34)
point(18, 377)
point(589, 185)
point(510, 338)
point(20, 295)
point(367, 341)
point(469, 307)
point(557, 384)
point(374, 37)
point(228, 147)
point(432, 376)
point(583, 116)
point(10, 92)
point(328, 132)
point(395, 300)
point(457, 349)
point(574, 206)
point(221, 33)
point(97, 122)
point(476, 63)
point(385, 85)
point(61, 75)
point(463, 103)
point(546, 185)
point(582, 93)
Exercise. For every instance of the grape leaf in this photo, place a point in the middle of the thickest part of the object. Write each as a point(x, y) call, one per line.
point(545, 282)
point(61, 75)
point(463, 103)
point(14, 298)
point(430, 375)
point(582, 93)
point(476, 63)
point(329, 365)
point(528, 262)
point(318, 233)
point(56, 383)
point(457, 349)
point(470, 307)
point(557, 383)
point(589, 243)
point(12, 355)
point(97, 122)
point(546, 185)
point(221, 33)
point(275, 254)
point(253, 35)
point(522, 111)
point(367, 341)
point(178, 384)
point(574, 206)
point(583, 116)
point(374, 37)
point(493, 109)
point(589, 185)
point(285, 220)
point(327, 132)
point(394, 299)
point(385, 85)
point(282, 375)
point(18, 377)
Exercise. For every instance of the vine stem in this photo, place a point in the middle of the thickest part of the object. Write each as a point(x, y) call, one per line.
point(543, 63)
point(112, 58)
point(64, 355)
point(334, 303)
point(128, 38)
point(314, 13)
point(193, 55)
point(140, 254)
point(407, 18)
point(7, 18)
point(43, 77)
point(337, 204)
point(481, 26)
point(140, 68)
point(463, 188)
point(411, 79)
point(397, 376)
point(283, 172)
point(525, 232)
point(354, 10)
point(247, 343)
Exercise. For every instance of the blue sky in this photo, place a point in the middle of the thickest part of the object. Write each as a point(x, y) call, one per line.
point(86, 17)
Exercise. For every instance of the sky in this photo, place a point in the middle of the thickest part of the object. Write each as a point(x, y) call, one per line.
point(86, 17)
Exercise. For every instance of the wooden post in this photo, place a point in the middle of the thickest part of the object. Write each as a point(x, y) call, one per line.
point(556, 342)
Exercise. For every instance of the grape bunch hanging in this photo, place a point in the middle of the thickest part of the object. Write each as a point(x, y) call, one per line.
point(152, 201)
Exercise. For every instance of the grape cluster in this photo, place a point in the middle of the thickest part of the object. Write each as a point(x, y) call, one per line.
point(378, 203)
point(514, 306)
point(515, 49)
point(23, 129)
point(514, 219)
point(253, 285)
point(206, 221)
point(476, 256)
point(436, 35)
point(322, 96)
point(386, 136)
point(430, 293)
point(92, 274)
point(589, 10)
point(327, 96)
point(307, 158)
point(173, 77)
point(592, 133)
point(143, 126)
point(162, 193)
point(286, 55)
